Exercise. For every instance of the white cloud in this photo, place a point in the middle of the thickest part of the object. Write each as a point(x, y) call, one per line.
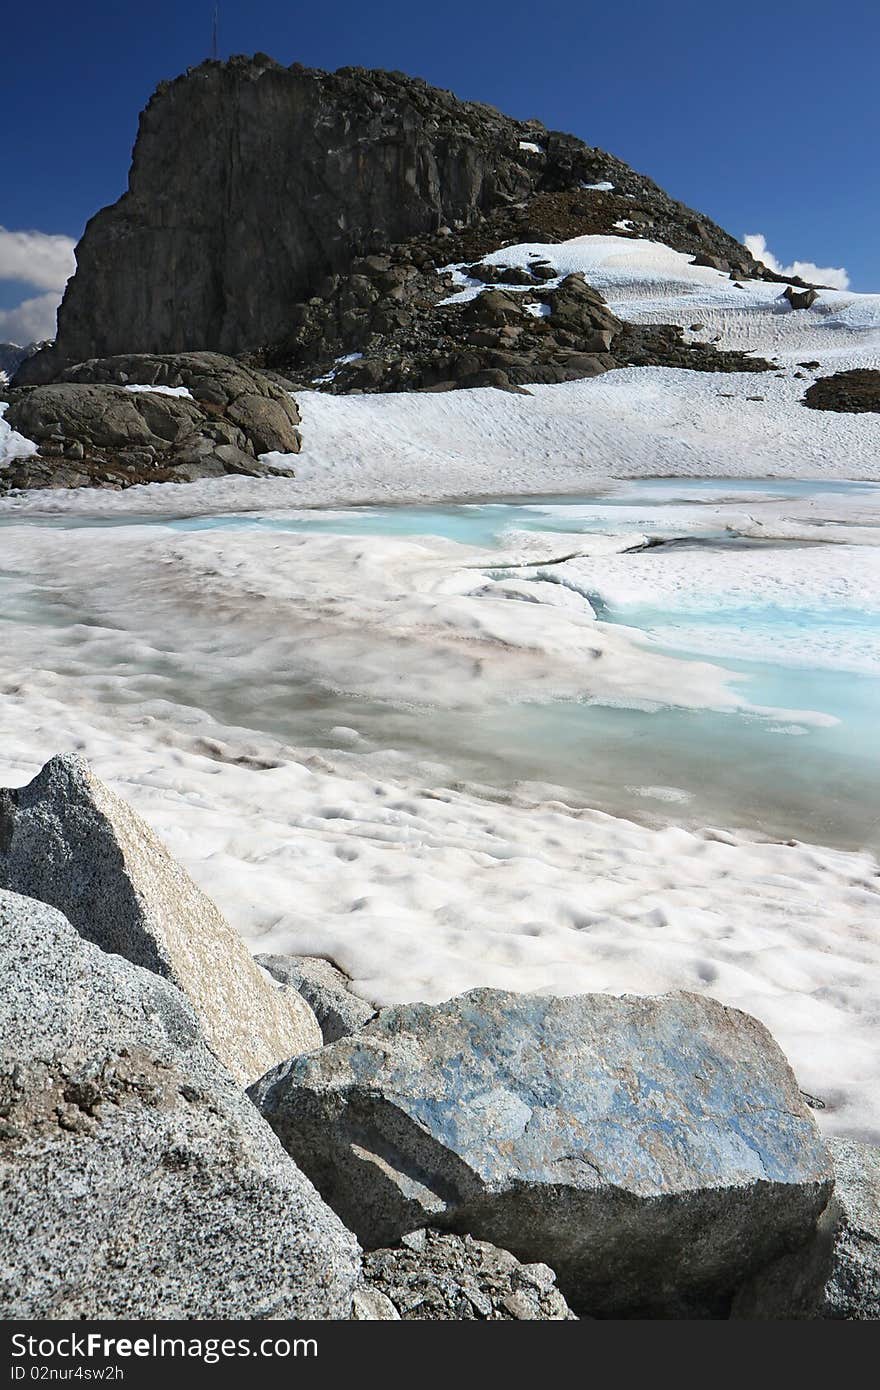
point(44, 262)
point(36, 258)
point(835, 276)
point(30, 321)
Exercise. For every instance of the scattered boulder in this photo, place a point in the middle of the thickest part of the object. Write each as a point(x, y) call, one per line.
point(800, 299)
point(711, 262)
point(500, 274)
point(325, 989)
point(434, 1275)
point(653, 1151)
point(577, 307)
point(357, 335)
point(855, 392)
point(586, 364)
point(197, 415)
point(370, 1305)
point(136, 1179)
point(494, 309)
point(836, 1274)
point(493, 377)
point(68, 840)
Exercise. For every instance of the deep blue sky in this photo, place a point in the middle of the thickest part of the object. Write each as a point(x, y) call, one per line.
point(764, 117)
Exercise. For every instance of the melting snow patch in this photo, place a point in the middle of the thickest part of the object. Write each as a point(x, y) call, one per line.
point(338, 362)
point(12, 444)
point(181, 391)
point(531, 147)
point(603, 187)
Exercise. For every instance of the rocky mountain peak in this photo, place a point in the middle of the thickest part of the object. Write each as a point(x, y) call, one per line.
point(251, 183)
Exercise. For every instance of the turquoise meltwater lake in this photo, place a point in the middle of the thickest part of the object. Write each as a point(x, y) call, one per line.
point(774, 774)
point(782, 771)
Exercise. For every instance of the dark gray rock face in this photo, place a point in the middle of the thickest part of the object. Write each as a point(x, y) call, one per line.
point(136, 1179)
point(91, 426)
point(250, 179)
point(252, 183)
point(800, 299)
point(854, 391)
point(836, 1274)
point(653, 1151)
point(435, 1276)
point(325, 989)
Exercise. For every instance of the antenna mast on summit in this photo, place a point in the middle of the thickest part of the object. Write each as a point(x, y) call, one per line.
point(215, 25)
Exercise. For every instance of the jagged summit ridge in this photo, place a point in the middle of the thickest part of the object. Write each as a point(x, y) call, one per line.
point(252, 182)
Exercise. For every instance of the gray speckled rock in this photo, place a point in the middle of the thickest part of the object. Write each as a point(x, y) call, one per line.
point(370, 1305)
point(325, 989)
point(837, 1273)
point(136, 1179)
point(653, 1151)
point(68, 840)
point(434, 1276)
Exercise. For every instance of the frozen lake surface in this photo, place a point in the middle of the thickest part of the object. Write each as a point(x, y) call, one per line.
point(793, 623)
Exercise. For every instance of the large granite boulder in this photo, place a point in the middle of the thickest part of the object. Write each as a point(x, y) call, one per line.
point(256, 402)
point(653, 1151)
point(325, 989)
point(136, 1179)
point(68, 840)
point(147, 418)
point(102, 416)
point(434, 1276)
point(836, 1274)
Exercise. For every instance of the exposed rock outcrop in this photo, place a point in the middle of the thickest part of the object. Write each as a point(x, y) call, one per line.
point(206, 416)
point(252, 183)
point(800, 299)
point(325, 989)
point(655, 1152)
point(855, 391)
point(434, 1276)
point(68, 840)
point(385, 327)
point(136, 1179)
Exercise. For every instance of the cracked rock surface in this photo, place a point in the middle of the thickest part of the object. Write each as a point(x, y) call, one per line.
point(91, 430)
point(136, 1179)
point(653, 1151)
